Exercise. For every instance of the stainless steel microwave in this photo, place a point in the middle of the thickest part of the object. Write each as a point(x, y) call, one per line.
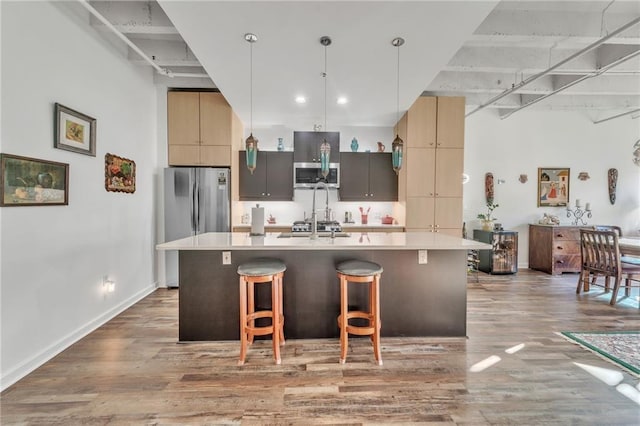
point(305, 175)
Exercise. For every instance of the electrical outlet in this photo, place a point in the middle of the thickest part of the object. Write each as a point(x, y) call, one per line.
point(226, 258)
point(422, 257)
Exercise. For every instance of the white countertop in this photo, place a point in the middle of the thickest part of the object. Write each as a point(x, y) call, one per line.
point(356, 241)
point(344, 225)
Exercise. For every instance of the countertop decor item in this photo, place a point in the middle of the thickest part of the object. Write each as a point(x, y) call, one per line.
point(583, 176)
point(74, 131)
point(354, 145)
point(486, 219)
point(578, 213)
point(280, 144)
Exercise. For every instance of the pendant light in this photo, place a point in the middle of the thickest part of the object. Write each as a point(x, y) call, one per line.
point(397, 147)
point(251, 144)
point(325, 148)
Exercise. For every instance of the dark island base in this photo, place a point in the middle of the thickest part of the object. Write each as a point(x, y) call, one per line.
point(416, 300)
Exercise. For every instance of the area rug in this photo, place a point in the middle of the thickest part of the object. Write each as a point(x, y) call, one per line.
point(620, 347)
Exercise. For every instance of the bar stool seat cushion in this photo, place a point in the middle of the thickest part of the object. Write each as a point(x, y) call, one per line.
point(630, 259)
point(359, 268)
point(260, 267)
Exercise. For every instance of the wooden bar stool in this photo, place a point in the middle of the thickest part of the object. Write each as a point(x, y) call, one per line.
point(358, 271)
point(261, 271)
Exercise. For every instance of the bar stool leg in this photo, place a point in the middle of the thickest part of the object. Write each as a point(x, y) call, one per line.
point(375, 307)
point(252, 308)
point(344, 336)
point(275, 322)
point(243, 321)
point(280, 279)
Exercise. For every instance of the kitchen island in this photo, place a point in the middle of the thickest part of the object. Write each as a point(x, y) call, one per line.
point(417, 299)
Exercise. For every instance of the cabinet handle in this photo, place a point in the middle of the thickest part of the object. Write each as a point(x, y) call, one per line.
point(559, 236)
point(431, 194)
point(437, 226)
point(560, 261)
point(268, 194)
point(366, 195)
point(370, 195)
point(559, 248)
point(437, 194)
point(263, 194)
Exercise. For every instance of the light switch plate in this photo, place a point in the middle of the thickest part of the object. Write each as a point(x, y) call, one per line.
point(226, 258)
point(422, 257)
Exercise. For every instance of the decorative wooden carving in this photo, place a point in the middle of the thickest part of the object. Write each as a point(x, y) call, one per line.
point(488, 187)
point(613, 181)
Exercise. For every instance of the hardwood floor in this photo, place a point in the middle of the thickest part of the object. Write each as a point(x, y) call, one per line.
point(131, 371)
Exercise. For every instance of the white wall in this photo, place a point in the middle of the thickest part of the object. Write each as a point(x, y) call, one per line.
point(54, 257)
point(531, 139)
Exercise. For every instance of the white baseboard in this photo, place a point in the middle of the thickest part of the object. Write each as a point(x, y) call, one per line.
point(12, 376)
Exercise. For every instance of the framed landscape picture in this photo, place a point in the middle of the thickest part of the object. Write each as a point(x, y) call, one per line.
point(119, 174)
point(32, 182)
point(553, 186)
point(74, 131)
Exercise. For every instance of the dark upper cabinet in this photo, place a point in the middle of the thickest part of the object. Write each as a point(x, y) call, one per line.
point(272, 180)
point(306, 146)
point(367, 176)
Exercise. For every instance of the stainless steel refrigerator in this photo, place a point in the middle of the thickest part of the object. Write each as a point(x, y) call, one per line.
point(196, 200)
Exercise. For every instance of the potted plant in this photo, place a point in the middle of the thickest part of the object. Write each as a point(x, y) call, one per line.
point(486, 219)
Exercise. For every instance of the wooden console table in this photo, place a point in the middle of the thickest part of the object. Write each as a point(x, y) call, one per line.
point(554, 249)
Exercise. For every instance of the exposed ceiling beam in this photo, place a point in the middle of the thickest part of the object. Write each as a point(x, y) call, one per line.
point(589, 48)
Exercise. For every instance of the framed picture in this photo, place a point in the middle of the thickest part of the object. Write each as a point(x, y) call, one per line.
point(74, 131)
point(119, 174)
point(553, 186)
point(31, 182)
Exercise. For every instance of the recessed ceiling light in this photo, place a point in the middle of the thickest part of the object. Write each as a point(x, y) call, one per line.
point(301, 99)
point(342, 100)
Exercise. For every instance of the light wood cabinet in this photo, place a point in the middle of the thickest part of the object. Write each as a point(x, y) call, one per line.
point(431, 180)
point(201, 127)
point(450, 122)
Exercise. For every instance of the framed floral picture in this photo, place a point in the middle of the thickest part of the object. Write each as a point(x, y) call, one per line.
point(74, 131)
point(119, 174)
point(553, 186)
point(32, 182)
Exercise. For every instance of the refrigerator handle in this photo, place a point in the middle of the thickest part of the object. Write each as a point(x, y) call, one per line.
point(193, 203)
point(196, 196)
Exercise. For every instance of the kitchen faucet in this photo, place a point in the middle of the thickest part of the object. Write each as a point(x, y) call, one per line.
point(314, 215)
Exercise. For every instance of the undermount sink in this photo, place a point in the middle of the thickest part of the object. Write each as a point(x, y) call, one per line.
point(308, 234)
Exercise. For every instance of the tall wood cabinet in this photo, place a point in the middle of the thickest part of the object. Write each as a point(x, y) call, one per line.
point(201, 127)
point(431, 178)
point(554, 249)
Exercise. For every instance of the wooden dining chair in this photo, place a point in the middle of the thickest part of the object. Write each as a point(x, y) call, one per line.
point(601, 257)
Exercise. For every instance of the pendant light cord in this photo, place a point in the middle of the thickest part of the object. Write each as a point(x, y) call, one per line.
point(325, 41)
point(398, 89)
point(251, 85)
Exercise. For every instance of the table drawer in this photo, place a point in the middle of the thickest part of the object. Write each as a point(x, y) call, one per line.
point(564, 247)
point(566, 263)
point(566, 234)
